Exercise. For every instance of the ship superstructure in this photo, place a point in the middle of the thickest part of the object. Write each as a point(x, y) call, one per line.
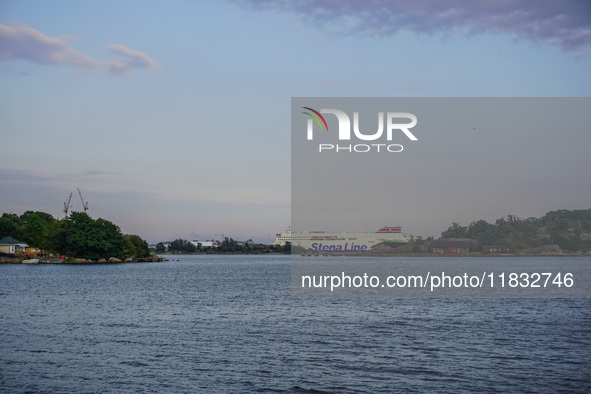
point(341, 242)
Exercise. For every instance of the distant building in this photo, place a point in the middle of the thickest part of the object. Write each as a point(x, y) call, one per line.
point(12, 246)
point(204, 244)
point(494, 249)
point(451, 247)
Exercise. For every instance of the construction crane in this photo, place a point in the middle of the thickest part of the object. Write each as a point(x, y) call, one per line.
point(84, 204)
point(67, 205)
point(221, 235)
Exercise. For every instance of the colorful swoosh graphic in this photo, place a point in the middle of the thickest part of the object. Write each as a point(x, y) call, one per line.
point(315, 118)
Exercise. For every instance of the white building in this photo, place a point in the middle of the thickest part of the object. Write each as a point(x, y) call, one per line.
point(204, 244)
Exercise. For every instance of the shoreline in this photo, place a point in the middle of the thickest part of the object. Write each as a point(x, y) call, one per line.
point(45, 261)
point(442, 255)
point(159, 259)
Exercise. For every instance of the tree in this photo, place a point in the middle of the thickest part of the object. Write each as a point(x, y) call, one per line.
point(182, 246)
point(91, 239)
point(8, 227)
point(229, 245)
point(455, 231)
point(287, 248)
point(39, 229)
point(160, 248)
point(135, 246)
point(478, 229)
point(78, 235)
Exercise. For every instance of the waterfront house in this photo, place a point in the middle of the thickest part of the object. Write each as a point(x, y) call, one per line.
point(12, 246)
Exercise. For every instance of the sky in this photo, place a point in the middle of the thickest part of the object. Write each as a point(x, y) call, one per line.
point(173, 118)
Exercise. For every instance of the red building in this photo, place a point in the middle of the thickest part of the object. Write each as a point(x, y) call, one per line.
point(494, 249)
point(451, 247)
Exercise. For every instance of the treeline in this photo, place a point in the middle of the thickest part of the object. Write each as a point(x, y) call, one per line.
point(228, 245)
point(563, 227)
point(78, 235)
point(177, 246)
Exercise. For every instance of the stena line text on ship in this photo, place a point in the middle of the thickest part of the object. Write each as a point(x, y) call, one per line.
point(341, 242)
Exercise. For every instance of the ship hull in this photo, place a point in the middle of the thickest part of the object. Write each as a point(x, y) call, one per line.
point(341, 242)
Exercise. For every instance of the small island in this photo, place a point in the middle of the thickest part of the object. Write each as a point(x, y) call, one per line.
point(78, 238)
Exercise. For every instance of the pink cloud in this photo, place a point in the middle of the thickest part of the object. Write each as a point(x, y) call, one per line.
point(24, 43)
point(129, 60)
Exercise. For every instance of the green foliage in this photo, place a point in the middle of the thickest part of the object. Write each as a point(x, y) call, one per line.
point(478, 229)
point(160, 248)
point(76, 236)
point(287, 248)
point(40, 229)
point(135, 246)
point(9, 227)
point(561, 227)
point(571, 242)
point(91, 239)
point(37, 229)
point(455, 231)
point(573, 216)
point(181, 246)
point(229, 245)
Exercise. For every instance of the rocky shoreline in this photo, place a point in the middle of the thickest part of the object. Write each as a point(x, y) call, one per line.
point(11, 259)
point(425, 250)
point(542, 251)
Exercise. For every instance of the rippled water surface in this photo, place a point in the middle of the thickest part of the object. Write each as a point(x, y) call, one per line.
point(229, 324)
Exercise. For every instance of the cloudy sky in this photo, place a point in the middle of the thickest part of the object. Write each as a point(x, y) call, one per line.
point(173, 118)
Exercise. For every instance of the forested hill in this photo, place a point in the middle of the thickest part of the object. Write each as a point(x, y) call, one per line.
point(78, 235)
point(571, 230)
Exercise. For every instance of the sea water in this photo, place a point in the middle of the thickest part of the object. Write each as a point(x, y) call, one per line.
point(229, 324)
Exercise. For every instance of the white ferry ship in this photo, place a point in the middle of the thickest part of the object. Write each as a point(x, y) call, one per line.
point(343, 242)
